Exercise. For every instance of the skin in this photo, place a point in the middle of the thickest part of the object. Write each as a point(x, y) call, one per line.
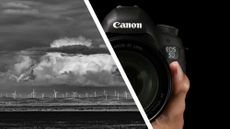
point(173, 115)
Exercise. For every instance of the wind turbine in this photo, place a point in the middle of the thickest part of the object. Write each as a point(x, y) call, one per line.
point(105, 94)
point(86, 95)
point(126, 95)
point(75, 94)
point(117, 96)
point(55, 94)
point(115, 93)
point(33, 94)
point(14, 94)
point(66, 94)
point(43, 95)
point(95, 94)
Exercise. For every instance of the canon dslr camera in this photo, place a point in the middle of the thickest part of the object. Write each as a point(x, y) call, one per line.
point(145, 51)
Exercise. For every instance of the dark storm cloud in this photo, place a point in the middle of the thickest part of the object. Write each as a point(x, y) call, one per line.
point(76, 49)
point(26, 23)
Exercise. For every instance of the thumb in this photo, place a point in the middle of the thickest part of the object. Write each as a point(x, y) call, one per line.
point(180, 82)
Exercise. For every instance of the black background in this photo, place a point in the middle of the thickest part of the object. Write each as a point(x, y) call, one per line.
point(207, 53)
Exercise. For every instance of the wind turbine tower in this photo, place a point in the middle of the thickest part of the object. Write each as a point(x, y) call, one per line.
point(55, 94)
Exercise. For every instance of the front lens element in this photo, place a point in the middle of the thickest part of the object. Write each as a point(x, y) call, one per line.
point(142, 75)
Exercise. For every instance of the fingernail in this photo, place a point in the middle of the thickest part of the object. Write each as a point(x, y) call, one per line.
point(176, 69)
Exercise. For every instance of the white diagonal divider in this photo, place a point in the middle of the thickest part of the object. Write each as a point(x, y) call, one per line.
point(125, 78)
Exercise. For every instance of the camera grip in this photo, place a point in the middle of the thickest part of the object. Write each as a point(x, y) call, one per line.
point(171, 45)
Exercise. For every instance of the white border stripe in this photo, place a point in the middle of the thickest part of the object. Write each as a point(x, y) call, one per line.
point(106, 40)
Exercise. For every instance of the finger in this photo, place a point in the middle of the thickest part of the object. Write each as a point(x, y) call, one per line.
point(179, 79)
point(176, 106)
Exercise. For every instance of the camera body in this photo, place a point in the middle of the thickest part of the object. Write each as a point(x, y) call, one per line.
point(145, 51)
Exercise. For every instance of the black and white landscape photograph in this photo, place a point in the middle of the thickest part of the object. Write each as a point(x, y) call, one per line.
point(56, 72)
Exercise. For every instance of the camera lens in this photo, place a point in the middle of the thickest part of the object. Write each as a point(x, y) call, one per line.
point(142, 75)
point(147, 71)
point(142, 55)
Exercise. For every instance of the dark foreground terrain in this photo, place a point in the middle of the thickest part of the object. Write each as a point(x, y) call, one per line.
point(72, 120)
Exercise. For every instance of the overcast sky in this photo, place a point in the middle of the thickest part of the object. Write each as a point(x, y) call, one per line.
point(30, 23)
point(47, 42)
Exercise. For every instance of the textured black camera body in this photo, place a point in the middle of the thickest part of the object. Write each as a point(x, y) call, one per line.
point(145, 51)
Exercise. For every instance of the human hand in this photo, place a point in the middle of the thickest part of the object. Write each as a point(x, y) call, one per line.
point(173, 115)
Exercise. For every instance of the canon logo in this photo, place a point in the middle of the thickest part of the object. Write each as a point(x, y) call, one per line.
point(127, 25)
